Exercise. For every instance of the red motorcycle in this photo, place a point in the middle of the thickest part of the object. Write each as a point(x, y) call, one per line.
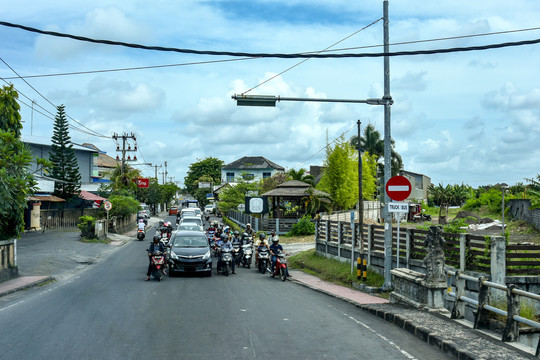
point(281, 267)
point(158, 262)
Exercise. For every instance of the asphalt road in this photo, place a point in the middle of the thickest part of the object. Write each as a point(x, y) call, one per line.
point(110, 312)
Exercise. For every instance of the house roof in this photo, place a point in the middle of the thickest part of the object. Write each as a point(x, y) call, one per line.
point(85, 195)
point(103, 160)
point(293, 188)
point(50, 198)
point(40, 140)
point(253, 162)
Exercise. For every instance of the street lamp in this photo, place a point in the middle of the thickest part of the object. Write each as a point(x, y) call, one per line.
point(270, 100)
point(386, 101)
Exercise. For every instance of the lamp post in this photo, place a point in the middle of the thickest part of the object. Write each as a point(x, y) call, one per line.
point(386, 101)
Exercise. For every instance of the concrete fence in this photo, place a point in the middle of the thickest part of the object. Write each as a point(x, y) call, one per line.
point(519, 210)
point(8, 259)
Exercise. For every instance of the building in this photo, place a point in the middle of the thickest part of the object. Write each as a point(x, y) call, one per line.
point(105, 165)
point(249, 168)
point(86, 157)
point(420, 185)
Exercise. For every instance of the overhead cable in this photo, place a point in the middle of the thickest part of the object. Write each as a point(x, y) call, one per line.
point(275, 55)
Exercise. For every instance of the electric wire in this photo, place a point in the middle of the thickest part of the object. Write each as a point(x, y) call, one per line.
point(326, 146)
point(50, 102)
point(303, 61)
point(252, 58)
point(273, 55)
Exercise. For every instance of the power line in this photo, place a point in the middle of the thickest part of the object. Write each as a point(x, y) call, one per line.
point(252, 58)
point(303, 61)
point(95, 133)
point(275, 55)
point(326, 146)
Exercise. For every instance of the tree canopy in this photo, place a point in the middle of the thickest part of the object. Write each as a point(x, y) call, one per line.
point(340, 176)
point(16, 183)
point(210, 167)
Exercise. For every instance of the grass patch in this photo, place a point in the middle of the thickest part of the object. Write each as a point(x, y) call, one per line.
point(331, 270)
point(526, 310)
point(94, 240)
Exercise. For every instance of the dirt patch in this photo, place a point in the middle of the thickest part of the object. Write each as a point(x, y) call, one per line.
point(471, 218)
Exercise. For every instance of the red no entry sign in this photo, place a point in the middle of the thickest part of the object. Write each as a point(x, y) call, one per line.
point(398, 188)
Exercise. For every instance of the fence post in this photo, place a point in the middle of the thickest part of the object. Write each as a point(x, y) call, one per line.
point(339, 231)
point(407, 247)
point(498, 264)
point(277, 226)
point(458, 310)
point(462, 251)
point(369, 241)
point(511, 329)
point(480, 320)
point(256, 224)
point(327, 236)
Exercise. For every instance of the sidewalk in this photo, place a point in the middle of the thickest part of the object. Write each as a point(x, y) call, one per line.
point(450, 336)
point(55, 255)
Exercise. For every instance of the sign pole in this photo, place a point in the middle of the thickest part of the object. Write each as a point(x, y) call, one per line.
point(397, 255)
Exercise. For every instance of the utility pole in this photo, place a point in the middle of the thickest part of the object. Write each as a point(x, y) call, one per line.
point(166, 173)
point(156, 167)
point(125, 137)
point(360, 197)
point(387, 154)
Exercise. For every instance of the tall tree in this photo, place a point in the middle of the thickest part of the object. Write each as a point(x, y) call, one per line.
point(15, 180)
point(10, 118)
point(64, 162)
point(373, 143)
point(209, 166)
point(340, 177)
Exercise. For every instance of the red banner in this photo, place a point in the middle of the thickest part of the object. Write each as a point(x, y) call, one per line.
point(143, 183)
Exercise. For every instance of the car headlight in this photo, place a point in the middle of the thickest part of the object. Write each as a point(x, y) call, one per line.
point(207, 255)
point(173, 255)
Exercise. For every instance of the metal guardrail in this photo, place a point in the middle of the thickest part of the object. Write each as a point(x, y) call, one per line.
point(513, 294)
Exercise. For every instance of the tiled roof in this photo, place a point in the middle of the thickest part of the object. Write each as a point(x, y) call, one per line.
point(253, 162)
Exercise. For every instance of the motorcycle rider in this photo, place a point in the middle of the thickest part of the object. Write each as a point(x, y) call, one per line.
point(275, 248)
point(225, 245)
point(155, 246)
point(249, 230)
point(141, 225)
point(260, 245)
point(235, 240)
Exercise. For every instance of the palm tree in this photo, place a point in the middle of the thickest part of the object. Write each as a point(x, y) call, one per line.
point(315, 203)
point(301, 175)
point(372, 143)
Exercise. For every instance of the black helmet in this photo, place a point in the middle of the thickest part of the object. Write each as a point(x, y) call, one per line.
point(161, 222)
point(236, 232)
point(224, 237)
point(275, 239)
point(157, 238)
point(262, 235)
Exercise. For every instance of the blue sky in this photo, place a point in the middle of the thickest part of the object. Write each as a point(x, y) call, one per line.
point(463, 117)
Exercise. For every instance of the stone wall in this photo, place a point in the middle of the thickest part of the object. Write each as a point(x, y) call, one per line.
point(519, 210)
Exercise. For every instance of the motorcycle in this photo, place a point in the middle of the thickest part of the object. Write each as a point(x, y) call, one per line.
point(281, 267)
point(247, 254)
point(140, 234)
point(237, 254)
point(215, 247)
point(226, 261)
point(158, 262)
point(263, 259)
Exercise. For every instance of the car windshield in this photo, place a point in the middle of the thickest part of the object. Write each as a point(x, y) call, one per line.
point(192, 221)
point(188, 213)
point(189, 227)
point(190, 241)
point(198, 211)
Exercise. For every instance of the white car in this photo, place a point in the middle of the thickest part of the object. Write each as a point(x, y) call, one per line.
point(192, 220)
point(208, 209)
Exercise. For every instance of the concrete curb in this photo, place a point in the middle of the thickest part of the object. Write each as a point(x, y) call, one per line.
point(444, 343)
point(22, 285)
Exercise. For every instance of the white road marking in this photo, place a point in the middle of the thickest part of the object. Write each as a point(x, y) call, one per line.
point(393, 344)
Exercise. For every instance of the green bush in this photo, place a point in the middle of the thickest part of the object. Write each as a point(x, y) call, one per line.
point(87, 226)
point(303, 227)
point(123, 206)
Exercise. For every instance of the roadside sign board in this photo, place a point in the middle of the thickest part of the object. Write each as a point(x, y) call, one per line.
point(398, 188)
point(107, 205)
point(398, 207)
point(143, 183)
